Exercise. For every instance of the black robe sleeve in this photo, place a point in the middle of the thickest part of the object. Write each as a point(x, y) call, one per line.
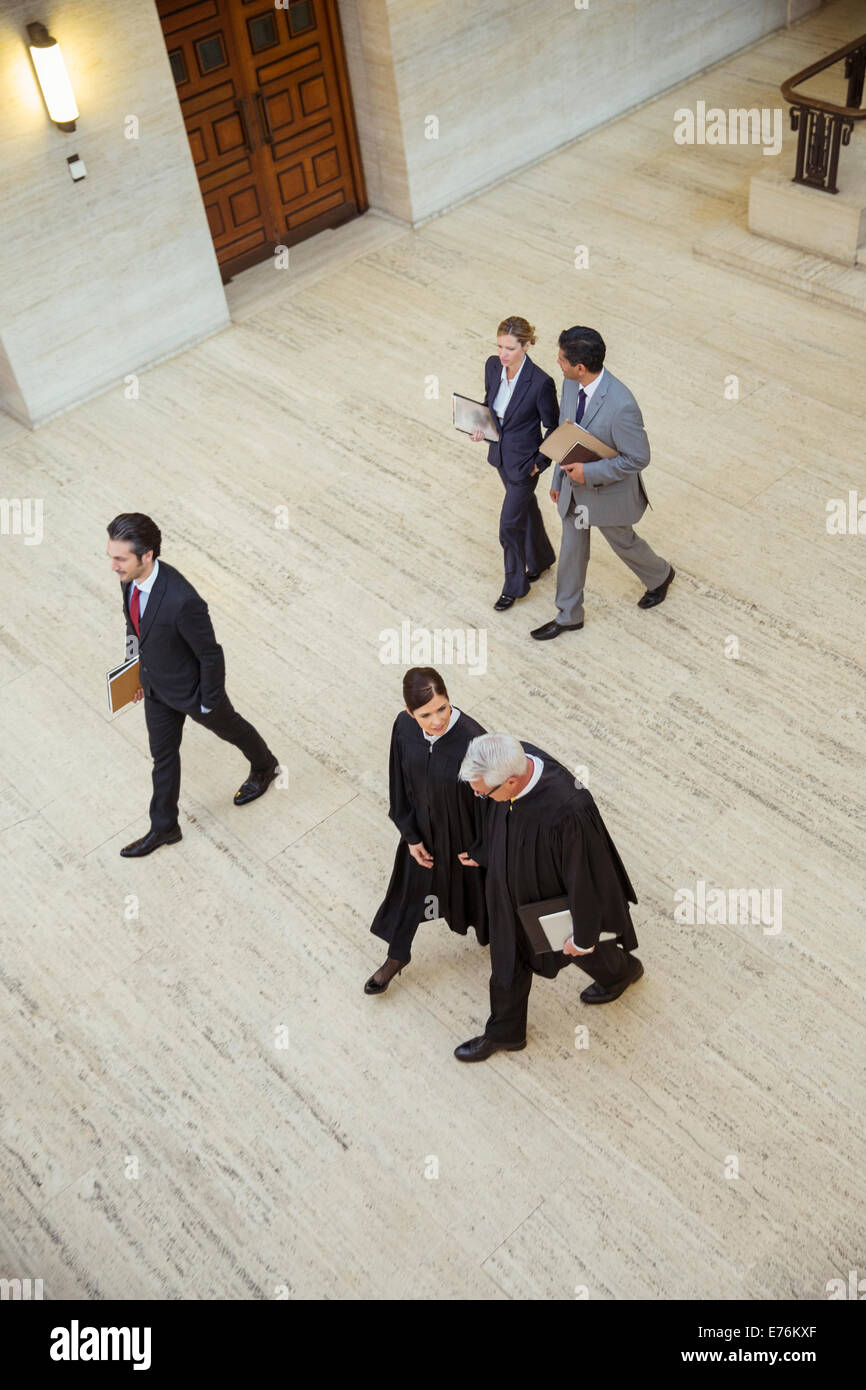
point(485, 810)
point(466, 817)
point(401, 810)
point(596, 883)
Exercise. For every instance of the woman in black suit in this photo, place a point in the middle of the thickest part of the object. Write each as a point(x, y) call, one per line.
point(522, 399)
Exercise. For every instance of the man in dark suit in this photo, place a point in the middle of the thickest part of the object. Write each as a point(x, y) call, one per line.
point(607, 493)
point(182, 673)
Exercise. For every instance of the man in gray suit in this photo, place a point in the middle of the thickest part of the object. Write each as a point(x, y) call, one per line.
point(607, 493)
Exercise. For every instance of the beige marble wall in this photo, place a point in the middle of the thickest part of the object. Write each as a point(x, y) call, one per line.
point(101, 278)
point(367, 40)
point(509, 82)
point(10, 395)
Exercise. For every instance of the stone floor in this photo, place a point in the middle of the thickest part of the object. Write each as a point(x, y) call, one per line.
point(158, 1139)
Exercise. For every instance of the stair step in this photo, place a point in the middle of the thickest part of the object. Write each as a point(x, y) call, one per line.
point(737, 249)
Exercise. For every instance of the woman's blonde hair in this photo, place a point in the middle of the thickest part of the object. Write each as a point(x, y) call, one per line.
point(518, 328)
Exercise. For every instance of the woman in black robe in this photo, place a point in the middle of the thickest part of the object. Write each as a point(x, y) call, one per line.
point(435, 814)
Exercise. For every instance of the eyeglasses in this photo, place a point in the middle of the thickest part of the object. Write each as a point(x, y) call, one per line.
point(484, 795)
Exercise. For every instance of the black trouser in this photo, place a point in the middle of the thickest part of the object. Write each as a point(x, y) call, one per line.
point(607, 964)
point(522, 535)
point(165, 731)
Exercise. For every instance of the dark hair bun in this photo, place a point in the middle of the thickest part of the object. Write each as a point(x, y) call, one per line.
point(420, 685)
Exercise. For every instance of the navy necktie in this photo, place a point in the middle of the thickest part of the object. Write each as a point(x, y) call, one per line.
point(581, 406)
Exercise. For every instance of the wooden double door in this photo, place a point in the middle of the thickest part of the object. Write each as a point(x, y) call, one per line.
point(265, 96)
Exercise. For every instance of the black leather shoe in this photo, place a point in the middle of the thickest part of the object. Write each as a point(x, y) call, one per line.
point(479, 1049)
point(504, 601)
point(374, 986)
point(151, 841)
point(532, 575)
point(553, 629)
point(656, 596)
point(256, 785)
point(603, 994)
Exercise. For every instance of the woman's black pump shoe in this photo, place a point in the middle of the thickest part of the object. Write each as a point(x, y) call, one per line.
point(374, 986)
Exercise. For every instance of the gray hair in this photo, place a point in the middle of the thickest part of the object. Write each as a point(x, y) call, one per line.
point(491, 758)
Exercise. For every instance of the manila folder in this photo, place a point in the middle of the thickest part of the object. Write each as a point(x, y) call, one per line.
point(570, 444)
point(122, 684)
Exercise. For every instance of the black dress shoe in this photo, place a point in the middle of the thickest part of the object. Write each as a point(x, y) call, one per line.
point(391, 968)
point(479, 1049)
point(553, 629)
point(151, 841)
point(655, 596)
point(256, 785)
point(603, 994)
point(532, 575)
point(504, 601)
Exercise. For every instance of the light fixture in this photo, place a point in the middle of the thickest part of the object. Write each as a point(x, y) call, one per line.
point(53, 77)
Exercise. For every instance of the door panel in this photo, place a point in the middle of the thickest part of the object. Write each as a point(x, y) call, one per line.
point(305, 141)
point(265, 100)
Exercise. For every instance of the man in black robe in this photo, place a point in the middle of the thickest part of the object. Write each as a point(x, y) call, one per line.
point(542, 837)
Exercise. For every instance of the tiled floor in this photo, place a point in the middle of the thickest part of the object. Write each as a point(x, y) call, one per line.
point(157, 1141)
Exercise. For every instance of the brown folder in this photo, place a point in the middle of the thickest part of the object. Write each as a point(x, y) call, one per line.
point(570, 444)
point(122, 684)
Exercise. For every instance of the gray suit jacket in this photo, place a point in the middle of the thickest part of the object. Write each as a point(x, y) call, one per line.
point(613, 494)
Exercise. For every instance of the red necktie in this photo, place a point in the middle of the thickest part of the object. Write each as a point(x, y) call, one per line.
point(134, 605)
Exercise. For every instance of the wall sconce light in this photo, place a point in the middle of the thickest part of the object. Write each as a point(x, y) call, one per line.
point(53, 77)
